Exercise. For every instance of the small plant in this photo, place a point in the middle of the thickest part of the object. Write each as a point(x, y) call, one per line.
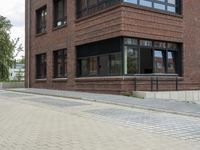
point(127, 94)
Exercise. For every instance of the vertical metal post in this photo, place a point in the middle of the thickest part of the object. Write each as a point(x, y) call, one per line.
point(156, 83)
point(135, 86)
point(151, 83)
point(176, 83)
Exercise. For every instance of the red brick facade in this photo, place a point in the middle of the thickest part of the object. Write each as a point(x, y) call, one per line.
point(116, 21)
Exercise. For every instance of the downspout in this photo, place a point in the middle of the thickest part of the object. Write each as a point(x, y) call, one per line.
point(28, 41)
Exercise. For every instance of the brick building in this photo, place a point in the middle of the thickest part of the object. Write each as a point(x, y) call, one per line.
point(113, 45)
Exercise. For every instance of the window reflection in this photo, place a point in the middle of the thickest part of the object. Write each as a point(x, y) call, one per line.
point(164, 5)
point(159, 66)
point(171, 62)
point(130, 60)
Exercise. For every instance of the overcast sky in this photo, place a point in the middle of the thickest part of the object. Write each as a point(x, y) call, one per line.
point(14, 11)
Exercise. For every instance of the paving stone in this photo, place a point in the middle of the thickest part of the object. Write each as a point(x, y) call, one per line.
point(177, 126)
point(172, 106)
point(97, 126)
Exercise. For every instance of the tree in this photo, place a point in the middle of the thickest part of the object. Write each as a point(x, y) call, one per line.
point(9, 48)
point(21, 60)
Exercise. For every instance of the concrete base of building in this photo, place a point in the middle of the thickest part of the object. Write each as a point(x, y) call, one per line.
point(188, 96)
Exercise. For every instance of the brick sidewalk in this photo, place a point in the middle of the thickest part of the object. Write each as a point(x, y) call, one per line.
point(35, 122)
point(170, 106)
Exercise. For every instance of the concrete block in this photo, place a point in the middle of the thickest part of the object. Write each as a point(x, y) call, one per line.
point(173, 95)
point(196, 96)
point(189, 96)
point(150, 95)
point(181, 95)
point(162, 95)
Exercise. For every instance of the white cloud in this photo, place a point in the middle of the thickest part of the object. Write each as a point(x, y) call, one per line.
point(14, 10)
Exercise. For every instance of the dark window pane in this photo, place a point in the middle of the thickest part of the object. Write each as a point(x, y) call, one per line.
point(60, 63)
point(159, 61)
point(93, 66)
point(146, 43)
point(59, 13)
point(171, 66)
point(87, 7)
point(130, 41)
point(41, 67)
point(41, 20)
point(104, 65)
point(130, 60)
point(92, 3)
point(160, 44)
point(84, 67)
point(146, 61)
point(115, 64)
point(172, 46)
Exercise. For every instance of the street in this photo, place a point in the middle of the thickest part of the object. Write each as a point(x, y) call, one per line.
point(39, 122)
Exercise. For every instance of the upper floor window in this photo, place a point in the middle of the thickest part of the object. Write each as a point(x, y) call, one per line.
point(59, 13)
point(172, 6)
point(41, 66)
point(87, 7)
point(41, 15)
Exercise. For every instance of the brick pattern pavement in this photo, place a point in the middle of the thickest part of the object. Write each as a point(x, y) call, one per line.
point(184, 108)
point(26, 123)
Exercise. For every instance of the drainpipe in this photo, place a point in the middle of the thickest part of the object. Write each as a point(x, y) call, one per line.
point(27, 31)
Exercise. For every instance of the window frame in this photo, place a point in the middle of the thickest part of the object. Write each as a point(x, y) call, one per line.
point(98, 69)
point(177, 50)
point(39, 26)
point(99, 5)
point(63, 62)
point(63, 19)
point(163, 46)
point(177, 5)
point(38, 57)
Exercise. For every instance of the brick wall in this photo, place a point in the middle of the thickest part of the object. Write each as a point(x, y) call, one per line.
point(120, 20)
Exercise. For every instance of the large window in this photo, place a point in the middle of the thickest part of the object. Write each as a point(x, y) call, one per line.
point(151, 57)
point(101, 65)
point(41, 66)
point(41, 15)
point(128, 56)
point(172, 6)
point(87, 7)
point(103, 58)
point(60, 63)
point(59, 13)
